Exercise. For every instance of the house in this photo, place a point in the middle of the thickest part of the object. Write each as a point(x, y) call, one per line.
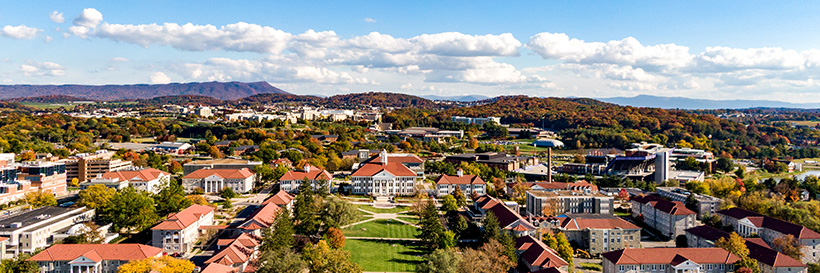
point(219, 164)
point(553, 203)
point(384, 178)
point(317, 177)
point(260, 219)
point(180, 231)
point(33, 230)
point(237, 252)
point(214, 180)
point(536, 255)
point(751, 224)
point(497, 160)
point(704, 260)
point(282, 162)
point(101, 258)
point(670, 218)
point(508, 218)
point(219, 268)
point(446, 184)
point(599, 233)
point(281, 199)
point(149, 179)
point(768, 259)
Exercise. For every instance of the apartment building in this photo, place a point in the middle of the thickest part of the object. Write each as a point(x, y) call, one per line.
point(447, 184)
point(90, 165)
point(670, 218)
point(33, 230)
point(558, 202)
point(44, 175)
point(598, 233)
point(214, 180)
point(705, 204)
point(384, 178)
point(149, 179)
point(768, 259)
point(180, 231)
point(97, 258)
point(669, 260)
point(219, 164)
point(750, 224)
point(317, 178)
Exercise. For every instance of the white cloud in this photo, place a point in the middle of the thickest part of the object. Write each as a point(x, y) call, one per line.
point(20, 32)
point(224, 69)
point(120, 60)
point(726, 59)
point(57, 17)
point(159, 78)
point(48, 39)
point(44, 69)
point(89, 18)
point(369, 20)
point(234, 37)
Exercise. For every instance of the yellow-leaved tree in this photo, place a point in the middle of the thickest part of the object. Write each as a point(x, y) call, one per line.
point(164, 264)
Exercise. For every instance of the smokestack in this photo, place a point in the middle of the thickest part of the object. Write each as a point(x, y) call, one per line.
point(549, 164)
point(517, 151)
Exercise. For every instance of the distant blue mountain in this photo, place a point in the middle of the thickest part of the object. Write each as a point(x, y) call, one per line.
point(467, 98)
point(687, 103)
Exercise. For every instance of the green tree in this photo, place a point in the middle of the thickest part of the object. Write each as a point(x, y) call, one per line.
point(492, 230)
point(19, 264)
point(131, 209)
point(337, 212)
point(691, 202)
point(725, 164)
point(322, 259)
point(96, 197)
point(440, 261)
point(171, 198)
point(227, 193)
point(549, 240)
point(431, 230)
point(282, 260)
point(737, 245)
point(740, 172)
point(40, 199)
point(564, 248)
point(306, 208)
point(280, 235)
point(461, 199)
point(449, 203)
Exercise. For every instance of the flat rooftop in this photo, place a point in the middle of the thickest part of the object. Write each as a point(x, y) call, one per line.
point(227, 161)
point(32, 217)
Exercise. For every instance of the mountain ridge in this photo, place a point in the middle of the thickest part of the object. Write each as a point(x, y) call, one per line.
point(702, 104)
point(111, 92)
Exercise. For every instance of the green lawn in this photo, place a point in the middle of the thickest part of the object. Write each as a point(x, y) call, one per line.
point(591, 266)
point(383, 256)
point(380, 210)
point(411, 219)
point(382, 228)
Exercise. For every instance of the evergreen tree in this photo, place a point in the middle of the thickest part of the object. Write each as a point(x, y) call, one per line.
point(280, 235)
point(432, 231)
point(305, 210)
point(492, 230)
point(171, 198)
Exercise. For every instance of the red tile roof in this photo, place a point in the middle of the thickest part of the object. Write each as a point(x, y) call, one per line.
point(459, 180)
point(666, 206)
point(219, 268)
point(788, 228)
point(507, 218)
point(262, 217)
point(122, 252)
point(144, 174)
point(238, 251)
point(758, 249)
point(243, 173)
point(536, 253)
point(281, 198)
point(184, 218)
point(314, 174)
point(583, 223)
point(669, 255)
point(394, 168)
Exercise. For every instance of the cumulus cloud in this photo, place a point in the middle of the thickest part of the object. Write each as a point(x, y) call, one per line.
point(57, 17)
point(89, 18)
point(44, 69)
point(20, 32)
point(224, 69)
point(159, 78)
point(233, 37)
point(120, 60)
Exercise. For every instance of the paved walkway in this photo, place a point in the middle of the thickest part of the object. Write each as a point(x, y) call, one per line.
point(377, 216)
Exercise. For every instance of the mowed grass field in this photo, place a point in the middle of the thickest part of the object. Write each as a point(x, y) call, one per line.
point(381, 228)
point(384, 256)
point(380, 210)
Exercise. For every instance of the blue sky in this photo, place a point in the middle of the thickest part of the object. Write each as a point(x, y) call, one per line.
point(701, 49)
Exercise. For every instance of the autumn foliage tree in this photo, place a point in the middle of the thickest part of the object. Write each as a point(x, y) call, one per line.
point(335, 238)
point(788, 245)
point(164, 264)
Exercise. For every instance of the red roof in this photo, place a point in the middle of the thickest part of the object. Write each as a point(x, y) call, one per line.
point(97, 252)
point(609, 223)
point(281, 198)
point(536, 253)
point(144, 174)
point(798, 231)
point(666, 206)
point(261, 217)
point(394, 168)
point(399, 158)
point(184, 218)
point(243, 173)
point(669, 255)
point(313, 174)
point(219, 268)
point(238, 251)
point(459, 180)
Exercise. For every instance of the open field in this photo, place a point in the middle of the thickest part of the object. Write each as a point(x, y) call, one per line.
point(410, 219)
point(380, 210)
point(809, 123)
point(383, 256)
point(381, 228)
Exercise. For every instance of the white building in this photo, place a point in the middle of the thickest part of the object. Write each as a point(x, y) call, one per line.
point(748, 224)
point(476, 121)
point(180, 231)
point(669, 260)
point(214, 180)
point(145, 180)
point(291, 180)
point(34, 230)
point(383, 178)
point(87, 258)
point(468, 184)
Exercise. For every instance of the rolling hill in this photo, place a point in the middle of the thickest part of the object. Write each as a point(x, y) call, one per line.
point(218, 90)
